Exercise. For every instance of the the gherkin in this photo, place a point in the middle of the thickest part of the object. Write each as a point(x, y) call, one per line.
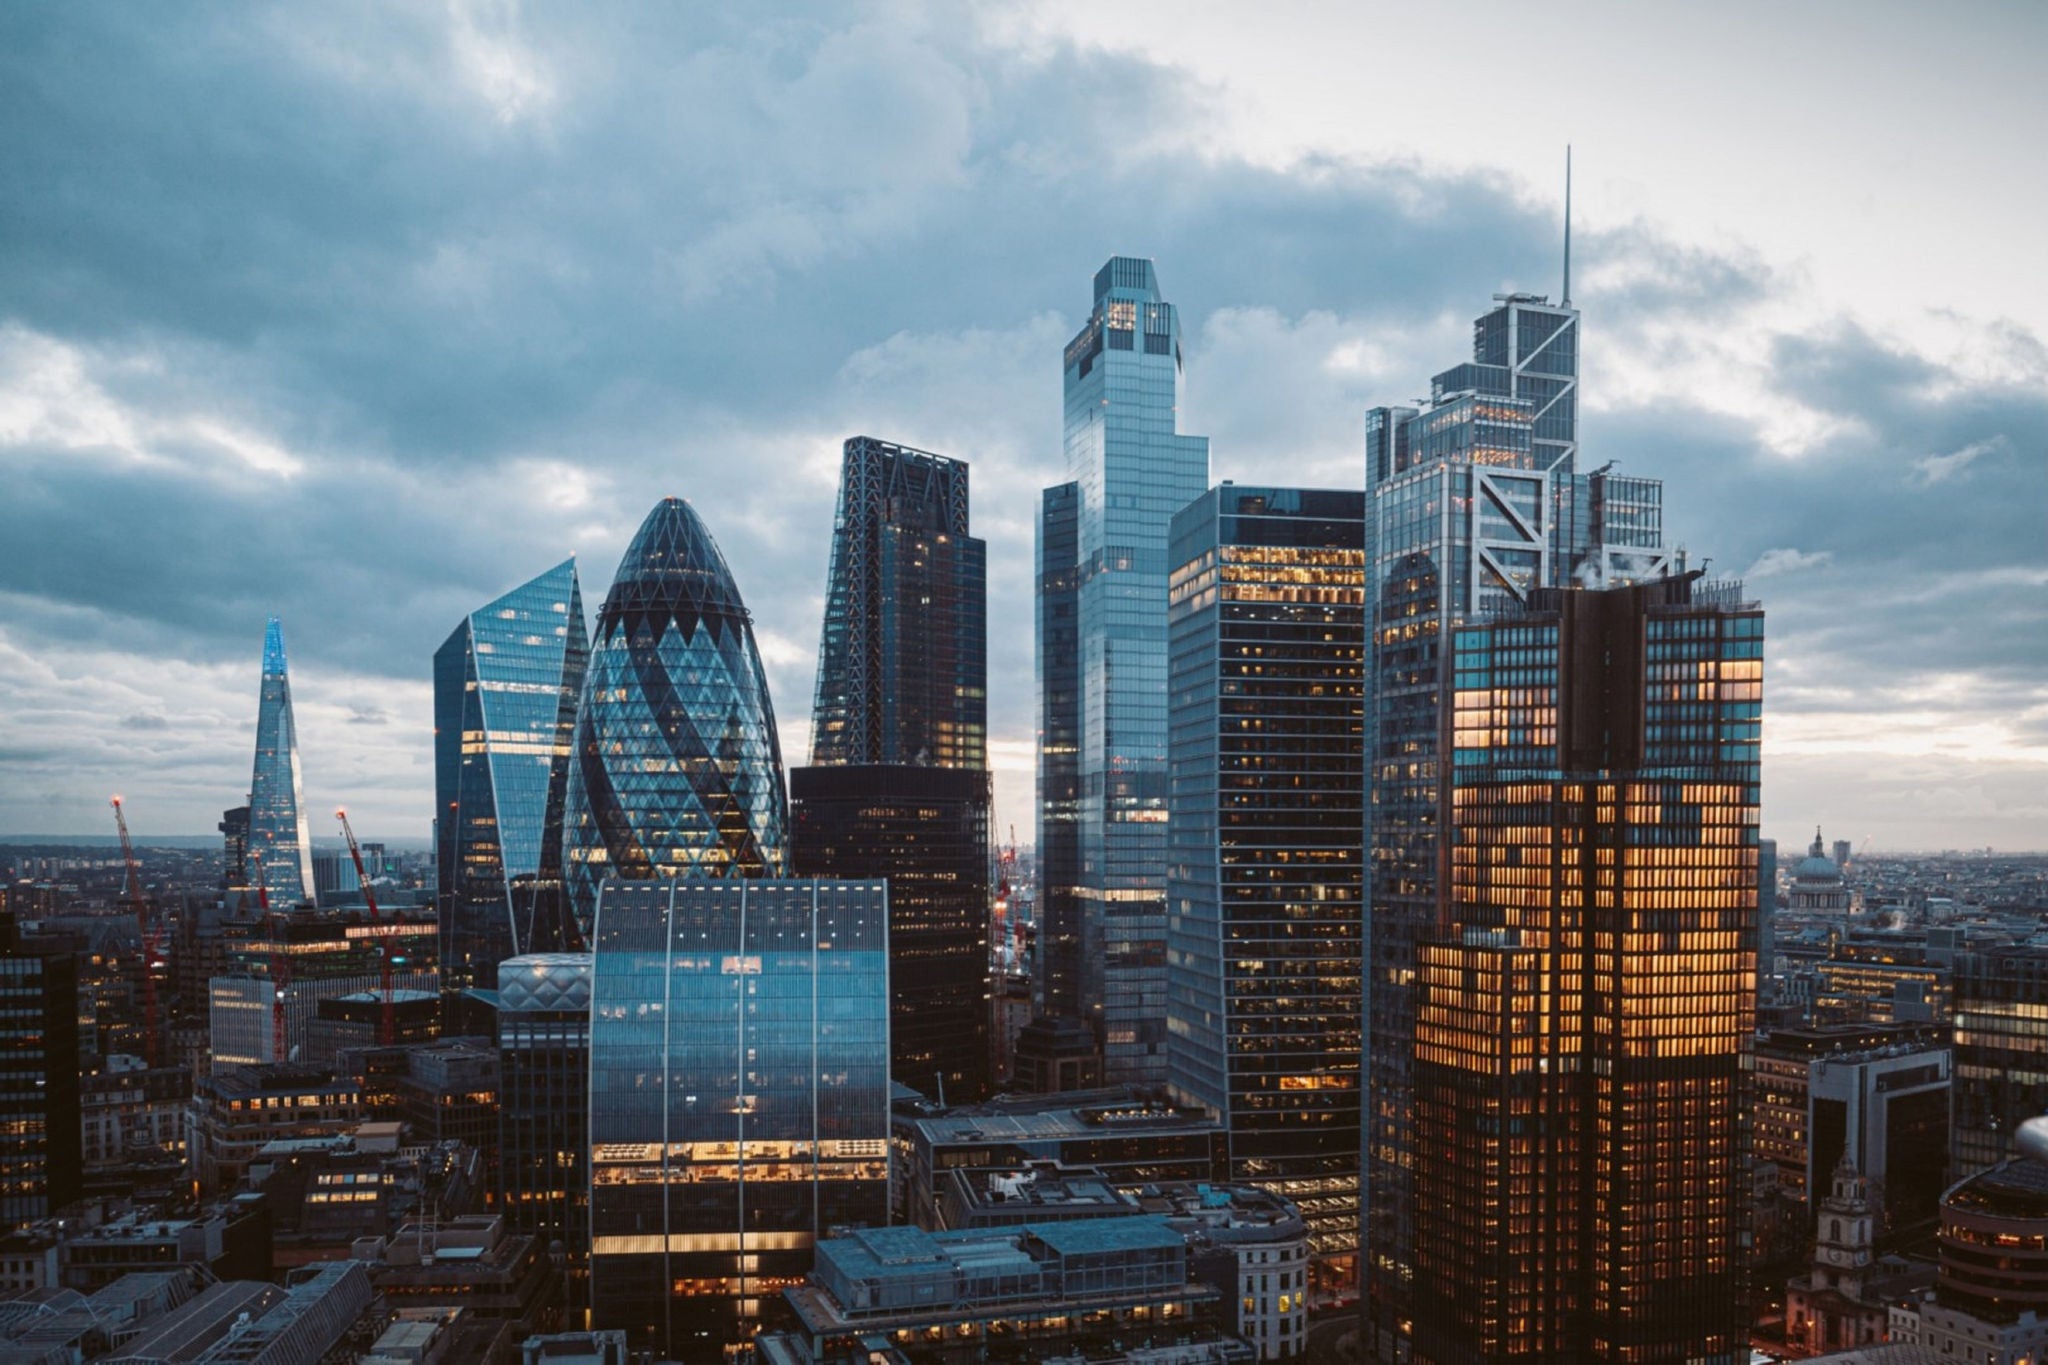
point(676, 770)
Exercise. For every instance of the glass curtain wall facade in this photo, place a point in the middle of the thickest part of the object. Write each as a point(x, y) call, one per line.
point(739, 1098)
point(899, 786)
point(278, 834)
point(903, 657)
point(1474, 503)
point(1267, 640)
point(1131, 471)
point(676, 770)
point(1584, 1019)
point(2001, 1052)
point(926, 832)
point(543, 1020)
point(41, 1159)
point(506, 683)
point(1057, 990)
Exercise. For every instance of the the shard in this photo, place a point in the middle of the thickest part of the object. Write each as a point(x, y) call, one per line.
point(277, 808)
point(676, 769)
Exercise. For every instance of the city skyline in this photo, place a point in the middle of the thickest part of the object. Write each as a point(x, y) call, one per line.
point(214, 396)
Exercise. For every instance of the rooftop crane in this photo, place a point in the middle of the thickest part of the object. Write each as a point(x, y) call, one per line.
point(151, 939)
point(387, 1027)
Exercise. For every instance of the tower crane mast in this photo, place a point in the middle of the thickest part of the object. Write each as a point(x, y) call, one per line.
point(387, 1028)
point(151, 938)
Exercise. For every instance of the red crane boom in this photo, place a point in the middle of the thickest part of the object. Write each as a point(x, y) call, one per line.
point(140, 903)
point(387, 1029)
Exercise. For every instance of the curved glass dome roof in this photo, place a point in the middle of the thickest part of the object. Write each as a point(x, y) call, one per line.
point(676, 769)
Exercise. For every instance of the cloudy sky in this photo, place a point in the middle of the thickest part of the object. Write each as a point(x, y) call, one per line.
point(362, 314)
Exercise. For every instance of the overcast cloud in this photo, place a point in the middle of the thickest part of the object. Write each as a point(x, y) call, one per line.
point(363, 316)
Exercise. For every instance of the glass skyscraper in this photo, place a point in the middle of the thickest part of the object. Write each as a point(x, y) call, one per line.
point(899, 787)
point(926, 832)
point(506, 683)
point(1474, 503)
point(1585, 1011)
point(1058, 987)
point(903, 656)
point(1266, 613)
point(543, 1021)
point(277, 817)
point(41, 1162)
point(1130, 471)
point(676, 769)
point(739, 1097)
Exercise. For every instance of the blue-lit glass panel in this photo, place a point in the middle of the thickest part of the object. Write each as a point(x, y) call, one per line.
point(506, 684)
point(738, 1096)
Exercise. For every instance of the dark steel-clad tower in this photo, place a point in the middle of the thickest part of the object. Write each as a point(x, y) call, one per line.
point(899, 784)
point(1266, 643)
point(676, 769)
point(506, 684)
point(903, 657)
point(1584, 1013)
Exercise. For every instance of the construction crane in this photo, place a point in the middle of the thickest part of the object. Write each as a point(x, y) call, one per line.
point(387, 1028)
point(151, 939)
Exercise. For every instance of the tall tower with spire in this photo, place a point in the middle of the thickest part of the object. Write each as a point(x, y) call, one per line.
point(277, 814)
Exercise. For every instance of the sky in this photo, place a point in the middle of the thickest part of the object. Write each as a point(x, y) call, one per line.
point(361, 315)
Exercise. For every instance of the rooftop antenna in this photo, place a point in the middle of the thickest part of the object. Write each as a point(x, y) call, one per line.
point(1567, 224)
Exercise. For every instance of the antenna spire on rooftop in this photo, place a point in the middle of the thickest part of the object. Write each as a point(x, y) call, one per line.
point(1567, 224)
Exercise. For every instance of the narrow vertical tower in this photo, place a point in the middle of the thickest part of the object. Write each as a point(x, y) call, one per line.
point(1131, 470)
point(1266, 608)
point(277, 817)
point(506, 683)
point(899, 784)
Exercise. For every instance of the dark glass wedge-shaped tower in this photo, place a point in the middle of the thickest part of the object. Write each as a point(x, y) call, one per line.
point(899, 787)
point(676, 769)
point(903, 657)
point(1131, 470)
point(277, 814)
point(506, 684)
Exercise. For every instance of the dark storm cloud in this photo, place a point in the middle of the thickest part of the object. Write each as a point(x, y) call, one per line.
point(362, 317)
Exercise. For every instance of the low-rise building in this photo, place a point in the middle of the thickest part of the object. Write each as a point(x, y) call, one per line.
point(239, 1110)
point(230, 1240)
point(1047, 1289)
point(1990, 1303)
point(470, 1262)
point(1131, 1141)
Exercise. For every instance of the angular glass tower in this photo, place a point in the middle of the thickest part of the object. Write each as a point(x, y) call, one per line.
point(1131, 471)
point(676, 769)
point(1266, 613)
point(277, 817)
point(1474, 505)
point(903, 657)
point(1584, 1012)
point(506, 683)
point(739, 1098)
point(899, 786)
